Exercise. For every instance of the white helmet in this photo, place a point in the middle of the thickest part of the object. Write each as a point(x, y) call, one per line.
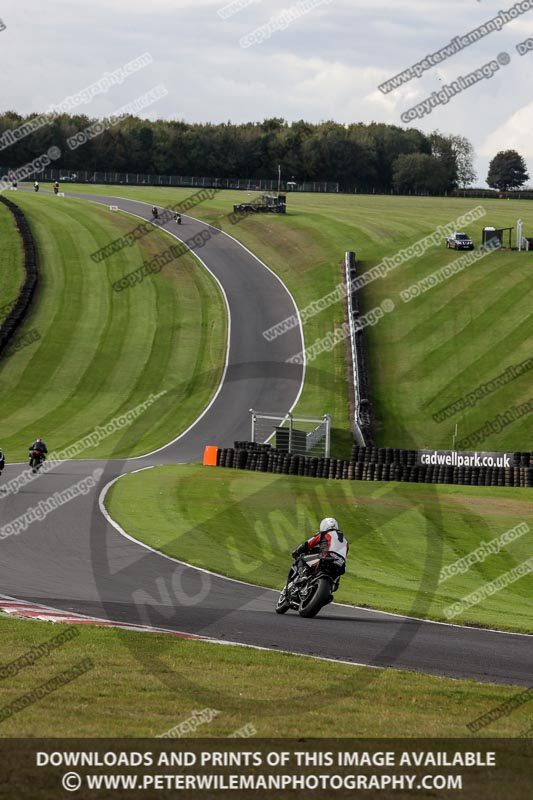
point(328, 524)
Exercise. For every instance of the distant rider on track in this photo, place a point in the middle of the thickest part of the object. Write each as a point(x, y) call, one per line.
point(41, 448)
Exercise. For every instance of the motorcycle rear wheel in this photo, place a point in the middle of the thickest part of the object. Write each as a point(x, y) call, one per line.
point(317, 597)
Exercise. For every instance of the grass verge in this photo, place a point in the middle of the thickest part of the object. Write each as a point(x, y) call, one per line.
point(244, 525)
point(144, 684)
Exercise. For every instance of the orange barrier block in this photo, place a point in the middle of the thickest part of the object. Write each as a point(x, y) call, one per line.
point(210, 455)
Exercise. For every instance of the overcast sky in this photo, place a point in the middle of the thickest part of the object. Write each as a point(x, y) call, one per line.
point(326, 64)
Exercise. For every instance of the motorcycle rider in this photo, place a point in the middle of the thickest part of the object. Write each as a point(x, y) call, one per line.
point(36, 186)
point(154, 212)
point(56, 187)
point(177, 218)
point(329, 539)
point(41, 448)
point(2, 461)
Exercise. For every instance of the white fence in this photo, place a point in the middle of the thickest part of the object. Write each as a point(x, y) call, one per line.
point(299, 435)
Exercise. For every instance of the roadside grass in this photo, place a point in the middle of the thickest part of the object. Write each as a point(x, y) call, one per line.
point(143, 685)
point(11, 263)
point(245, 524)
point(431, 351)
point(102, 353)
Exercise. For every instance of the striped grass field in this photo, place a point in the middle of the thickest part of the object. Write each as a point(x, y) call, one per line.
point(101, 354)
point(431, 351)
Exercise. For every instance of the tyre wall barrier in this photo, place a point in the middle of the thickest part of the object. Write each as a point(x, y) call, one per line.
point(21, 305)
point(374, 464)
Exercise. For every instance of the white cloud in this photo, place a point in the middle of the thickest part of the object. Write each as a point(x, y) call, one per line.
point(326, 65)
point(514, 134)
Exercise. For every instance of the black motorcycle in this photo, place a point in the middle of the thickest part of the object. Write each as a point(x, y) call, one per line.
point(36, 459)
point(177, 218)
point(317, 577)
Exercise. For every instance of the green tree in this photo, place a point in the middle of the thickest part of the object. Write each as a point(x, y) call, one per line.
point(420, 173)
point(442, 148)
point(464, 156)
point(507, 170)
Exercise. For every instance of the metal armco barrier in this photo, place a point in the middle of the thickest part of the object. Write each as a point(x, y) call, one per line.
point(362, 421)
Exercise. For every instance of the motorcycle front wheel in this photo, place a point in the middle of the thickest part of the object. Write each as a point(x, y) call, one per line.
point(282, 606)
point(318, 596)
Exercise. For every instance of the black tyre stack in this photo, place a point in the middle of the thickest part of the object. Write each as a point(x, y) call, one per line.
point(374, 464)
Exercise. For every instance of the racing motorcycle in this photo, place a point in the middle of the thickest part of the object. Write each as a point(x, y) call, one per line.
point(36, 459)
point(318, 576)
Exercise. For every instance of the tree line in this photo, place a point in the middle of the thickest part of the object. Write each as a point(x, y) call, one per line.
point(360, 157)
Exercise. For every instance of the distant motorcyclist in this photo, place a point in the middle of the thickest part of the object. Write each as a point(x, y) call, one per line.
point(177, 218)
point(39, 446)
point(56, 187)
point(2, 461)
point(329, 539)
point(155, 212)
point(36, 186)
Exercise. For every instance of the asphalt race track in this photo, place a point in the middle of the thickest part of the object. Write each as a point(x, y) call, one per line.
point(76, 560)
